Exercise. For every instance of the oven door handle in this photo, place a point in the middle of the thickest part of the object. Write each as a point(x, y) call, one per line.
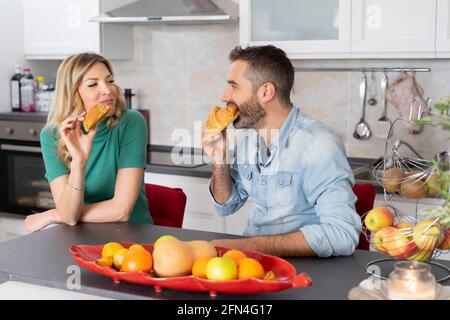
point(12, 147)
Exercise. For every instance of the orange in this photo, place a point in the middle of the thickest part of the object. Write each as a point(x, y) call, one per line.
point(199, 267)
point(250, 268)
point(137, 260)
point(234, 255)
point(118, 257)
point(136, 247)
point(110, 249)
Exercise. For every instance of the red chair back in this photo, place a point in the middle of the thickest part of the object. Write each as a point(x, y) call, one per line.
point(166, 205)
point(365, 194)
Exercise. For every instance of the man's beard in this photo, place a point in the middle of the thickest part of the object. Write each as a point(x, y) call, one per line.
point(250, 112)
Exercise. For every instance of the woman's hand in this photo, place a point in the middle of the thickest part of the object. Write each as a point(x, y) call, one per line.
point(78, 144)
point(38, 221)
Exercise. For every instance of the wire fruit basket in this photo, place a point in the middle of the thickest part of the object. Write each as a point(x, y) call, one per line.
point(397, 234)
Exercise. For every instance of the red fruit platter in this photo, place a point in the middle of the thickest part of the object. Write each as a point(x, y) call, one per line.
point(285, 274)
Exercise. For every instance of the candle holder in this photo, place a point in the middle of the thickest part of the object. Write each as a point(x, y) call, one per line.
point(411, 280)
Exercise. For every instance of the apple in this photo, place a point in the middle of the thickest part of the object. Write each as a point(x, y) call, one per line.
point(403, 225)
point(445, 243)
point(163, 238)
point(427, 235)
point(399, 245)
point(220, 268)
point(378, 218)
point(381, 237)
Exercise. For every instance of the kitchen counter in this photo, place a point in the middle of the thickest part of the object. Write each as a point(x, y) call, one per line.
point(24, 116)
point(166, 166)
point(43, 258)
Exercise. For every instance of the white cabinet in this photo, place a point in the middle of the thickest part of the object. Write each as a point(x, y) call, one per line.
point(302, 28)
point(443, 29)
point(389, 29)
point(57, 29)
point(199, 213)
point(348, 28)
point(11, 227)
point(409, 206)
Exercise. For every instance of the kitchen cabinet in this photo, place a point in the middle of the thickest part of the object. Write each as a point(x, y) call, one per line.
point(302, 28)
point(409, 206)
point(443, 29)
point(57, 29)
point(330, 29)
point(199, 212)
point(11, 227)
point(390, 29)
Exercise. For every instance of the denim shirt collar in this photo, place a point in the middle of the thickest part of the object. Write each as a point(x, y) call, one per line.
point(279, 140)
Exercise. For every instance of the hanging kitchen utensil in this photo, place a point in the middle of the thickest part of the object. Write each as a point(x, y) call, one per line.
point(373, 86)
point(383, 123)
point(362, 130)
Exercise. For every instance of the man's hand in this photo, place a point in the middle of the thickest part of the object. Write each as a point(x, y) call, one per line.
point(239, 244)
point(214, 144)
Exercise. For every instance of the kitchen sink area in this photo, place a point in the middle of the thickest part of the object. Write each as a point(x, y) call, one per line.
point(362, 170)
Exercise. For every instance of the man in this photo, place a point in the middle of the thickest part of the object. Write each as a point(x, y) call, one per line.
point(293, 167)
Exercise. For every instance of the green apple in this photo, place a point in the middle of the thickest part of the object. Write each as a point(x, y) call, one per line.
point(163, 238)
point(378, 218)
point(220, 268)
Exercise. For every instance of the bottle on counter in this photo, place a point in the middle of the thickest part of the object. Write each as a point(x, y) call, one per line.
point(27, 91)
point(128, 95)
point(44, 95)
point(15, 89)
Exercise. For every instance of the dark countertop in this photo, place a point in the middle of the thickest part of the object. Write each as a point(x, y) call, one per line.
point(24, 116)
point(43, 258)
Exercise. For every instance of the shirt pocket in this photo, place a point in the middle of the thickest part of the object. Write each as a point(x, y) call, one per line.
point(284, 189)
point(247, 178)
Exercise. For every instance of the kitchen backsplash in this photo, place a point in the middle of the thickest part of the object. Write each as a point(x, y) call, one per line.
point(179, 72)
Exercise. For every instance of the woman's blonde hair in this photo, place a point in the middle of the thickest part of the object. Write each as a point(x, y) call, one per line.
point(67, 101)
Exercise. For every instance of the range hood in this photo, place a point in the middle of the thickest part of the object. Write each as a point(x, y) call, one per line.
point(174, 11)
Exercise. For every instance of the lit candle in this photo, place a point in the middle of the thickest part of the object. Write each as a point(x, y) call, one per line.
point(411, 280)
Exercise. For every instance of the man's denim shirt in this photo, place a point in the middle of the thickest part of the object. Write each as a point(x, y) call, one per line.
point(305, 184)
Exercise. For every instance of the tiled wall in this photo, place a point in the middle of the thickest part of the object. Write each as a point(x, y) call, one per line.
point(179, 72)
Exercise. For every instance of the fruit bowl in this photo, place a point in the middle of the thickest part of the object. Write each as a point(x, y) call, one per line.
point(285, 273)
point(400, 236)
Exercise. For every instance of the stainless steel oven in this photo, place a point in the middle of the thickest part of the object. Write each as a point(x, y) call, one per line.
point(23, 188)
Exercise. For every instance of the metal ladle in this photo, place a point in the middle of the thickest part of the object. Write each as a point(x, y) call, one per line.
point(372, 100)
point(362, 130)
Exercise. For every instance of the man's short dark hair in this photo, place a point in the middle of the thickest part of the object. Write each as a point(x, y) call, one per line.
point(267, 64)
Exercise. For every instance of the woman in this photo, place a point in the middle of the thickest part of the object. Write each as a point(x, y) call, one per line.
point(99, 176)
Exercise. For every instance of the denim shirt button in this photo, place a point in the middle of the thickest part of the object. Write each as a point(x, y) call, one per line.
point(264, 182)
point(281, 182)
point(257, 228)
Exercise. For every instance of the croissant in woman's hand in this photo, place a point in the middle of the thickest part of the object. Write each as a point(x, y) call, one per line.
point(95, 115)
